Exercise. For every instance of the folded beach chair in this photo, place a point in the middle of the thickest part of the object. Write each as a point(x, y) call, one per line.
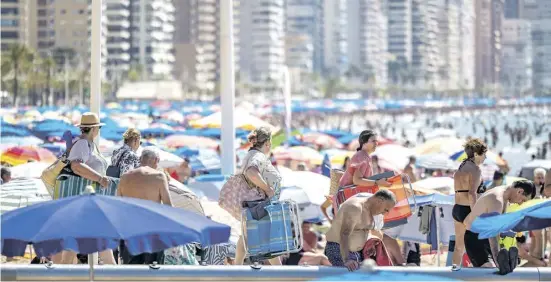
point(400, 212)
point(276, 234)
point(70, 185)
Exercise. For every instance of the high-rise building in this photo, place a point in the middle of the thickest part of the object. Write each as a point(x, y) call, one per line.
point(539, 14)
point(425, 58)
point(305, 18)
point(262, 41)
point(467, 44)
point(449, 43)
point(15, 22)
point(513, 9)
point(118, 37)
point(516, 74)
point(489, 17)
point(335, 32)
point(367, 40)
point(400, 29)
point(197, 42)
point(151, 37)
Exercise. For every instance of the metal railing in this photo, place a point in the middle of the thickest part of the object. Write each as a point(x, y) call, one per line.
point(242, 273)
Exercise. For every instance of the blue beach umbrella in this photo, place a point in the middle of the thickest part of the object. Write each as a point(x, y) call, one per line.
point(91, 223)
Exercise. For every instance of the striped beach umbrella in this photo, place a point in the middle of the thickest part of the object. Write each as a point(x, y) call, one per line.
point(24, 154)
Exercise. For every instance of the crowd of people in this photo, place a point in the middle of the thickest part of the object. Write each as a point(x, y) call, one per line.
point(357, 222)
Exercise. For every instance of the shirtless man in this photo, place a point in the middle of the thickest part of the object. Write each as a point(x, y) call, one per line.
point(355, 219)
point(484, 252)
point(147, 183)
point(410, 169)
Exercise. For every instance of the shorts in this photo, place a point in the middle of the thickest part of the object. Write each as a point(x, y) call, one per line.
point(459, 212)
point(478, 250)
point(333, 253)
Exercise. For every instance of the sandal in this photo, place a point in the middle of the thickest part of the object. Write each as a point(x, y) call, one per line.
point(513, 258)
point(503, 262)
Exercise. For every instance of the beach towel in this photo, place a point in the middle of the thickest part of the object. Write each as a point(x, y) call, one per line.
point(376, 250)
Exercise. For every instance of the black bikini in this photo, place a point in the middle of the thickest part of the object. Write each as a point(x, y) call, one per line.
point(460, 212)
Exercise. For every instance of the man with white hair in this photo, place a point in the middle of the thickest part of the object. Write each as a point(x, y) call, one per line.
point(147, 183)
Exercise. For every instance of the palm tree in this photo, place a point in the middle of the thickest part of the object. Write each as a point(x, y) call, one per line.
point(135, 73)
point(14, 63)
point(47, 66)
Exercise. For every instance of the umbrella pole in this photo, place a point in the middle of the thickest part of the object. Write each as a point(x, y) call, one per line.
point(92, 258)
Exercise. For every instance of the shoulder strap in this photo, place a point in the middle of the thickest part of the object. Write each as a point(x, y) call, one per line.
point(120, 158)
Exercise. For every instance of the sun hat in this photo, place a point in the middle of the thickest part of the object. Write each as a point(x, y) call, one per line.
point(90, 120)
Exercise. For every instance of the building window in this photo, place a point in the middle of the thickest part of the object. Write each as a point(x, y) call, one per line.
point(42, 12)
point(7, 23)
point(81, 11)
point(9, 11)
point(63, 11)
point(9, 35)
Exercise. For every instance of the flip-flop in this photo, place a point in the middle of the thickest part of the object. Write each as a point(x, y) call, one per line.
point(503, 262)
point(513, 258)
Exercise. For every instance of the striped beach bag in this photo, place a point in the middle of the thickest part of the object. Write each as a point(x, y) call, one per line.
point(276, 234)
point(70, 185)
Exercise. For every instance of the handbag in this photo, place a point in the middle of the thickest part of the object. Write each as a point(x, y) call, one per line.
point(236, 191)
point(50, 174)
point(115, 170)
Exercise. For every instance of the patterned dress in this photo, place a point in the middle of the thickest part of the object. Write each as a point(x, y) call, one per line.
point(181, 255)
point(129, 161)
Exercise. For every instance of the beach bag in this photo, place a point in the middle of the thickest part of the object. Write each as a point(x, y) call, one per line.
point(335, 175)
point(70, 185)
point(236, 191)
point(50, 174)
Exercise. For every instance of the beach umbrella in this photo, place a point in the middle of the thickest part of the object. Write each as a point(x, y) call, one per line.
point(178, 140)
point(29, 170)
point(206, 160)
point(28, 140)
point(20, 155)
point(298, 153)
point(354, 144)
point(92, 223)
point(393, 157)
point(307, 208)
point(20, 193)
point(446, 145)
point(531, 215)
point(337, 156)
point(167, 160)
point(430, 185)
point(242, 120)
point(436, 161)
point(320, 139)
point(491, 157)
point(208, 185)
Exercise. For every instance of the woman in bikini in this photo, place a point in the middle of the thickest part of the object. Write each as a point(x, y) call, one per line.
point(468, 184)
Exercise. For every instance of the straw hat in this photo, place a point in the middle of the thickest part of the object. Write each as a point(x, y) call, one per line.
point(89, 120)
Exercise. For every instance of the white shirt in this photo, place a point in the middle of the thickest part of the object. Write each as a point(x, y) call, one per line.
point(83, 150)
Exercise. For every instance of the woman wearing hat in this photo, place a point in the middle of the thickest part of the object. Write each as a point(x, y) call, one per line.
point(85, 157)
point(87, 162)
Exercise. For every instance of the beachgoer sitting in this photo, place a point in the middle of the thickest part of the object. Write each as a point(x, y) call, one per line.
point(355, 219)
point(147, 183)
